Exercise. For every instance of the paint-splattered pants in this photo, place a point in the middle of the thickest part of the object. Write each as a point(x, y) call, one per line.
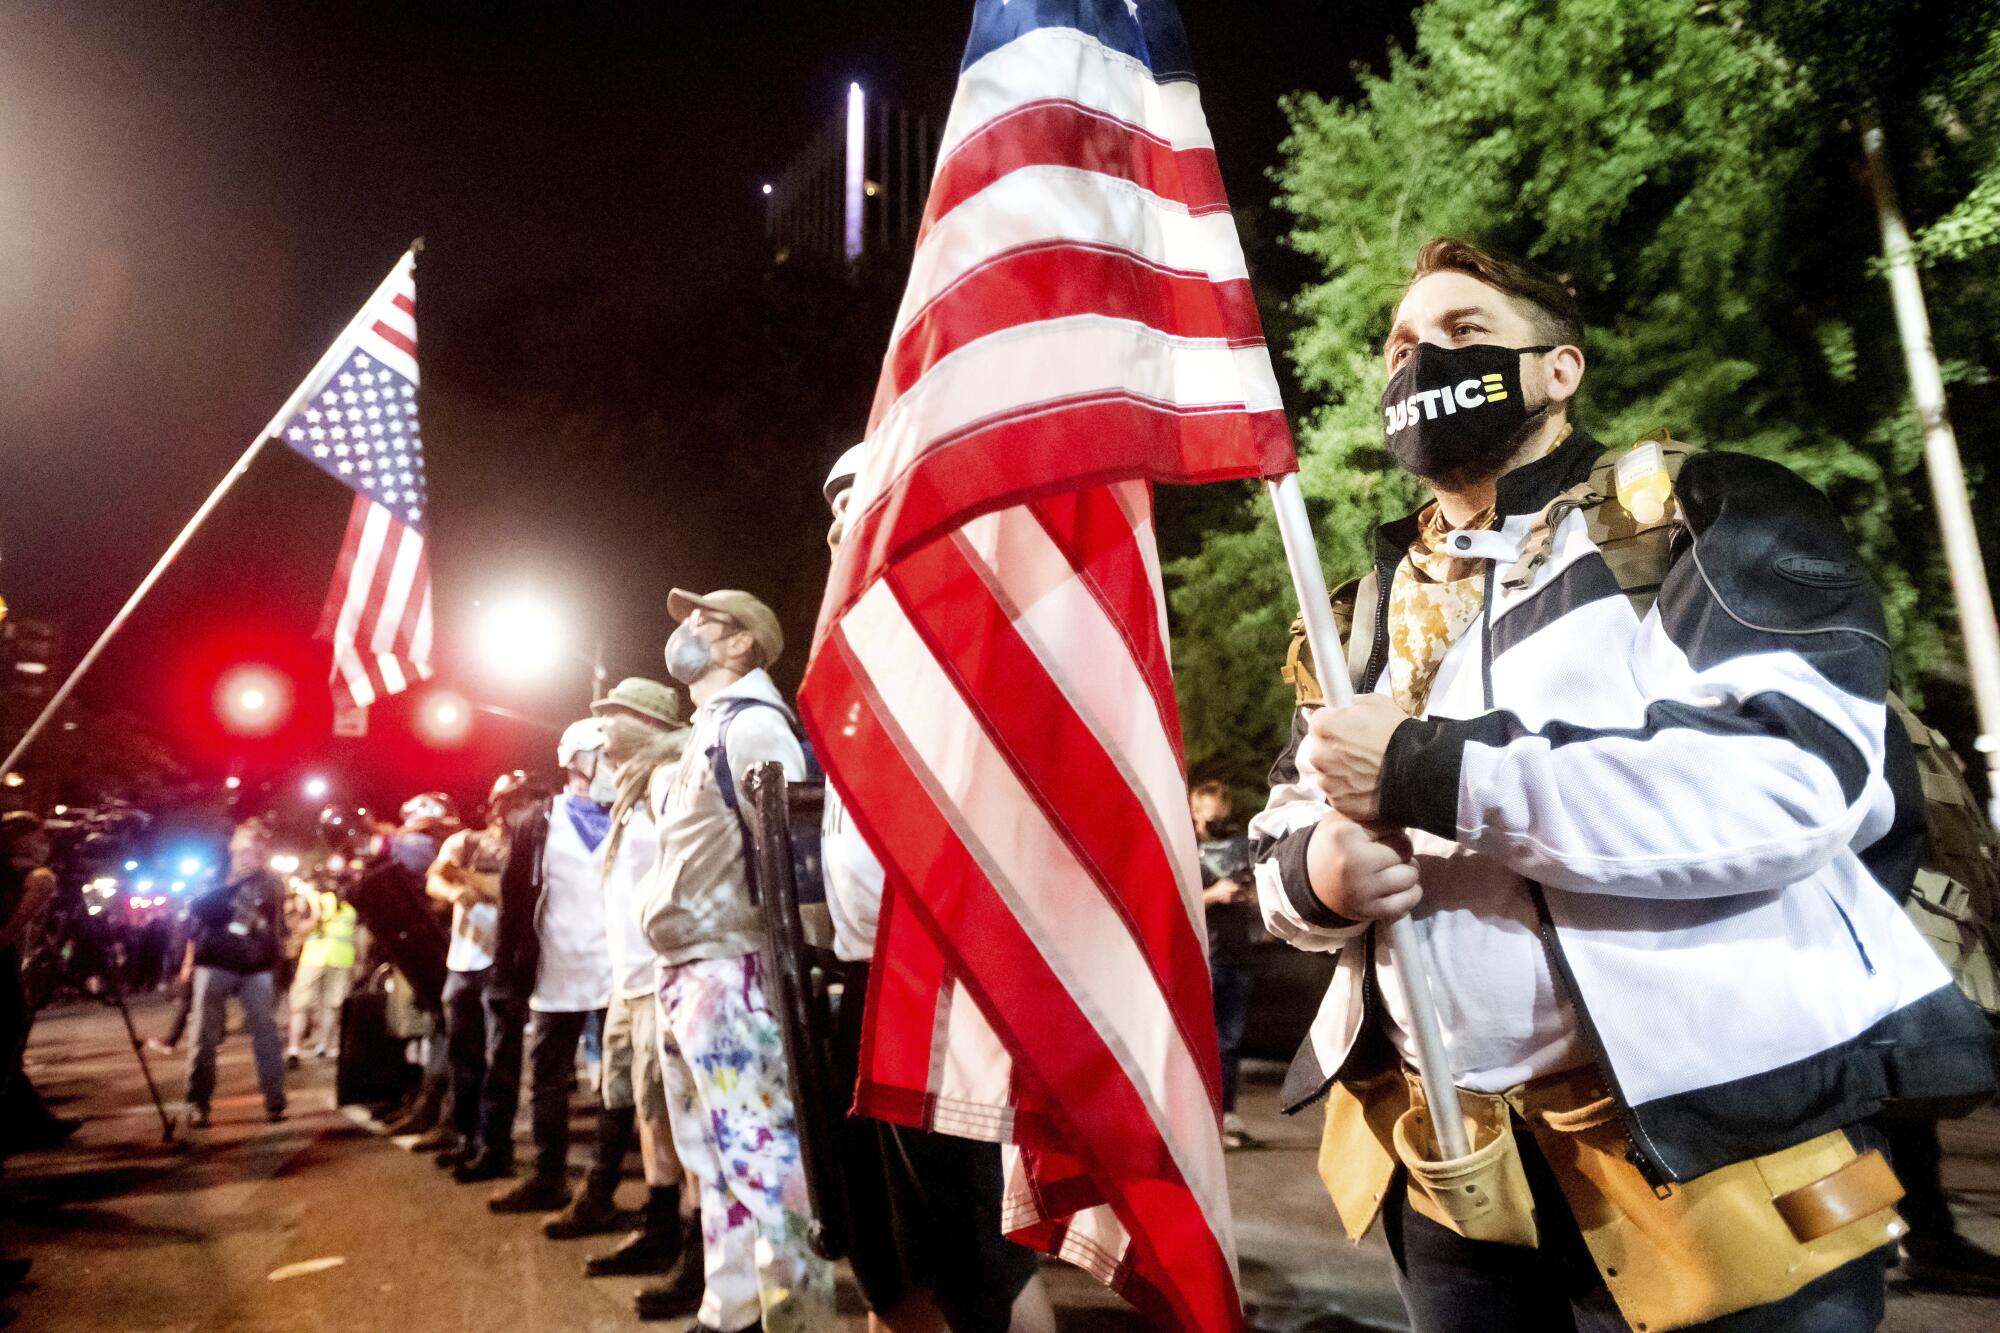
point(724, 1066)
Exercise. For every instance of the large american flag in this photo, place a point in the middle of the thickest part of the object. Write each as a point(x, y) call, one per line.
point(355, 418)
point(990, 685)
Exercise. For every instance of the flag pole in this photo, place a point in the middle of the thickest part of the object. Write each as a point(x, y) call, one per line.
point(62, 694)
point(1947, 474)
point(1406, 943)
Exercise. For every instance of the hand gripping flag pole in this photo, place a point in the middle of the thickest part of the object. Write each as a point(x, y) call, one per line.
point(1413, 971)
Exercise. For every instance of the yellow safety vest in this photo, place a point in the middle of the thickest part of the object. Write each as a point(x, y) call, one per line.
point(332, 942)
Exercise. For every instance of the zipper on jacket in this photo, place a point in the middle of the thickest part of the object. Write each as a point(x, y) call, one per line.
point(1378, 651)
point(1638, 1149)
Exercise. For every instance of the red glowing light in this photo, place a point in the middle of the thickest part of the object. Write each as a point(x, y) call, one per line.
point(253, 700)
point(445, 719)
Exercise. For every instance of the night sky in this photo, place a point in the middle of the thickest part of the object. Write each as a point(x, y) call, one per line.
point(195, 198)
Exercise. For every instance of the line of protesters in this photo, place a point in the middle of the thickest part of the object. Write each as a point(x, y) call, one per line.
point(623, 903)
point(1547, 691)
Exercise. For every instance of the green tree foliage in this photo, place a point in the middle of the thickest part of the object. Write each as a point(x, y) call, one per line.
point(1683, 171)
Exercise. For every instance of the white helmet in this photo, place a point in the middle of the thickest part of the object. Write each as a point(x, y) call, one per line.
point(579, 738)
point(845, 469)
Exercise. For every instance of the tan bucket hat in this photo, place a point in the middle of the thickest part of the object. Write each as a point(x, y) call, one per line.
point(648, 698)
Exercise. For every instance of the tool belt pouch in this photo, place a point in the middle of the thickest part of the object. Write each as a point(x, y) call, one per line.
point(1741, 1236)
point(1482, 1195)
point(1356, 1162)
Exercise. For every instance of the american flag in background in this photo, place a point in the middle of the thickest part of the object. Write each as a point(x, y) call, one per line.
point(355, 418)
point(990, 687)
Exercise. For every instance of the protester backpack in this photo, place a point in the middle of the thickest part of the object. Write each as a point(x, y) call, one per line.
point(805, 838)
point(1955, 900)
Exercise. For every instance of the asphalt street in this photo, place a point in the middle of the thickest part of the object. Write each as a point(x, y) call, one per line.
point(321, 1224)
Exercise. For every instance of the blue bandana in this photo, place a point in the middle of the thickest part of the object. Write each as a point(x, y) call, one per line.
point(591, 820)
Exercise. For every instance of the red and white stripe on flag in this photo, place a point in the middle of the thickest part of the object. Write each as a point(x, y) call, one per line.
point(990, 688)
point(378, 611)
point(354, 417)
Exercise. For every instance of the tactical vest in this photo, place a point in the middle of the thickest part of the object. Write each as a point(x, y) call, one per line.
point(1955, 900)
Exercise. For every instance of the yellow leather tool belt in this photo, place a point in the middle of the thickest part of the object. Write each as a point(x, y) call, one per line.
point(1745, 1235)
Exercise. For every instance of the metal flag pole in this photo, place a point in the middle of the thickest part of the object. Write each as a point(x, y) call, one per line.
point(1413, 971)
point(1954, 505)
point(62, 694)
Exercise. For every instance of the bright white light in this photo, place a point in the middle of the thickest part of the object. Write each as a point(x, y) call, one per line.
point(60, 810)
point(284, 863)
point(316, 788)
point(857, 170)
point(190, 866)
point(521, 637)
point(445, 719)
point(178, 886)
point(336, 863)
point(767, 187)
point(232, 782)
point(252, 700)
point(131, 865)
point(145, 886)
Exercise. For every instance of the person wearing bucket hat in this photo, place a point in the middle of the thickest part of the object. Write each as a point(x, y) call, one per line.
point(553, 947)
point(720, 1047)
point(644, 735)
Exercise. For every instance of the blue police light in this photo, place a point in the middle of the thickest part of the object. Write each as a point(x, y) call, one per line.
point(190, 865)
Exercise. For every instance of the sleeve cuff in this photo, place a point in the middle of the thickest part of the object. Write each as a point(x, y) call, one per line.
point(1290, 855)
point(1420, 775)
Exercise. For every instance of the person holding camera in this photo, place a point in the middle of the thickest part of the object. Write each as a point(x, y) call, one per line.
point(238, 941)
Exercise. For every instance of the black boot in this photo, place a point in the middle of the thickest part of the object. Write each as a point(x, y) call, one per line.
point(1949, 1264)
point(679, 1293)
point(653, 1248)
point(482, 1166)
point(592, 1211)
point(534, 1194)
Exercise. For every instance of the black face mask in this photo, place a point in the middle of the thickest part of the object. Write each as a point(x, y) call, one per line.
point(1456, 415)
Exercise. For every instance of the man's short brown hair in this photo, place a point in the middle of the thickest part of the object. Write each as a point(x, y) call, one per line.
point(1540, 294)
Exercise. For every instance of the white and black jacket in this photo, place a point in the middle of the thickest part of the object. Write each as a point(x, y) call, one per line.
point(1709, 810)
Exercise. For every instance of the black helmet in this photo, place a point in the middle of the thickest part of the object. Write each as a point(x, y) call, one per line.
point(510, 789)
point(344, 828)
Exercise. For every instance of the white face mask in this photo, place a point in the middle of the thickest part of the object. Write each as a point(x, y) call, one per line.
point(604, 782)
